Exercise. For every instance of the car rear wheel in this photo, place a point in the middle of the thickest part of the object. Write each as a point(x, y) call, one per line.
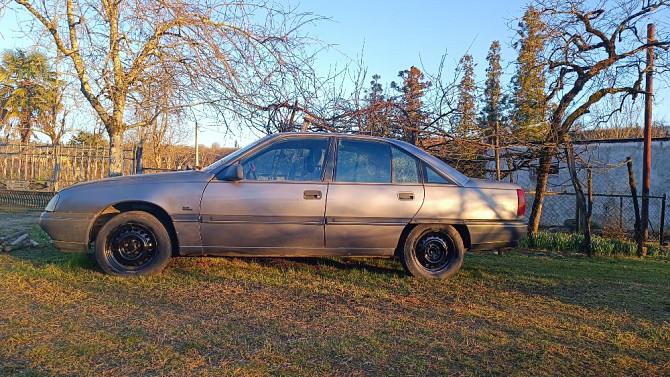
point(433, 251)
point(133, 243)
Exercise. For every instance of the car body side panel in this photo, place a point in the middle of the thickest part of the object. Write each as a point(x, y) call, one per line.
point(369, 216)
point(462, 204)
point(490, 214)
point(187, 228)
point(257, 216)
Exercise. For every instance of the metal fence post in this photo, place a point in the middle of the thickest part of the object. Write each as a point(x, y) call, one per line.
point(661, 236)
point(620, 211)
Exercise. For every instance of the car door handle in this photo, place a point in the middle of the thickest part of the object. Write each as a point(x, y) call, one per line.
point(406, 195)
point(311, 195)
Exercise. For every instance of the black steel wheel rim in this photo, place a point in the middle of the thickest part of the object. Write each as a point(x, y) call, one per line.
point(434, 251)
point(131, 246)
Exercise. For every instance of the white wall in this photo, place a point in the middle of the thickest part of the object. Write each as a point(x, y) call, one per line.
point(610, 176)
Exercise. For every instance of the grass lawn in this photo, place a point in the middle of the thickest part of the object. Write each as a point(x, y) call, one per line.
point(517, 314)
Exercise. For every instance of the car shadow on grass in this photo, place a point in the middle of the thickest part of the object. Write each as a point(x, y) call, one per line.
point(344, 264)
point(314, 265)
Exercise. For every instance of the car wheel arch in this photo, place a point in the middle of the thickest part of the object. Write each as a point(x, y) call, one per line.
point(115, 209)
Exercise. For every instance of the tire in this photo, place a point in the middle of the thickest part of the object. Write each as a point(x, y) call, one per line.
point(433, 251)
point(133, 243)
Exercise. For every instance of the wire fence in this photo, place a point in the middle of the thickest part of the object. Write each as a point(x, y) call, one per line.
point(24, 201)
point(613, 215)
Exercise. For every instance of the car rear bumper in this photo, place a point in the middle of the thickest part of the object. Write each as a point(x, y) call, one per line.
point(492, 235)
point(68, 231)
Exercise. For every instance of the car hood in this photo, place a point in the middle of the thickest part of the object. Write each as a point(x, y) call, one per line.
point(169, 177)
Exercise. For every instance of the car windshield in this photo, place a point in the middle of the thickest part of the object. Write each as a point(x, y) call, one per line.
point(233, 156)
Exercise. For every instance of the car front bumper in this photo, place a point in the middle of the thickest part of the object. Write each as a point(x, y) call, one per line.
point(68, 231)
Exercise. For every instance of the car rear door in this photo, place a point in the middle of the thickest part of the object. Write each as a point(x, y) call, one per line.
point(375, 192)
point(277, 209)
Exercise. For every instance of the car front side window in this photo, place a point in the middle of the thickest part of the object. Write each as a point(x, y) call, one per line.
point(291, 159)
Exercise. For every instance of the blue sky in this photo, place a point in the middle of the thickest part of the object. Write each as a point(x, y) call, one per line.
point(392, 36)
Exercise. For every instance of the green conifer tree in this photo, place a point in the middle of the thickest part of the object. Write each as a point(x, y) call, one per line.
point(412, 118)
point(377, 118)
point(466, 125)
point(529, 102)
point(492, 113)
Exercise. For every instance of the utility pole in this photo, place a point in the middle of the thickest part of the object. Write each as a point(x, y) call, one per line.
point(197, 154)
point(646, 160)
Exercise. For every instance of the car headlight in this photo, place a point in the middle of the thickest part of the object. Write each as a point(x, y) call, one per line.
point(52, 204)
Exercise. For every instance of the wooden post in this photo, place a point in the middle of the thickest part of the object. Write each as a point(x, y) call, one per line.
point(641, 250)
point(197, 147)
point(646, 167)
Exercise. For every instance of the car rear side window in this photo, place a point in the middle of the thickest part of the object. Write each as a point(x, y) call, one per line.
point(405, 167)
point(288, 160)
point(434, 177)
point(363, 161)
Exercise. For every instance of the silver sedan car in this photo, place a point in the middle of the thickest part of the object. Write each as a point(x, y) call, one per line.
point(292, 195)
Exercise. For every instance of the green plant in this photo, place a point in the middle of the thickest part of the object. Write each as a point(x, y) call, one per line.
point(573, 242)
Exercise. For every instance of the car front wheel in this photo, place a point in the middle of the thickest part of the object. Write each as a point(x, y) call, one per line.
point(433, 251)
point(133, 243)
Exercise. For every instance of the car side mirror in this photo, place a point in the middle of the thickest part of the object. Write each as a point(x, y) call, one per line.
point(231, 173)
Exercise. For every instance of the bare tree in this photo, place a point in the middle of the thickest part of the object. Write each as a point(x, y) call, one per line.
point(220, 54)
point(593, 51)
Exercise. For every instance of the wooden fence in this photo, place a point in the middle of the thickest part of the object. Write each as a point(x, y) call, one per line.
point(51, 167)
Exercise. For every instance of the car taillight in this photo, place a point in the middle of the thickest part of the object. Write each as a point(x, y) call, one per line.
point(521, 209)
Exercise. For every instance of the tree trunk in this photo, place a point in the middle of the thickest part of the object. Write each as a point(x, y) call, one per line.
point(579, 191)
point(139, 166)
point(115, 153)
point(548, 152)
point(587, 248)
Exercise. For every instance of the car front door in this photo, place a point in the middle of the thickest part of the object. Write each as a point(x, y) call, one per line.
point(277, 209)
point(376, 190)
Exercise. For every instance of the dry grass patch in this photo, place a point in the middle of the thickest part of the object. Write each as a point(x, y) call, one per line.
point(517, 314)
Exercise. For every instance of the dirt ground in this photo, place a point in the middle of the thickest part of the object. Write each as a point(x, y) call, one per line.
point(13, 222)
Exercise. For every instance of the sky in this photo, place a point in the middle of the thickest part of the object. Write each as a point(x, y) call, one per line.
point(389, 36)
point(394, 35)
